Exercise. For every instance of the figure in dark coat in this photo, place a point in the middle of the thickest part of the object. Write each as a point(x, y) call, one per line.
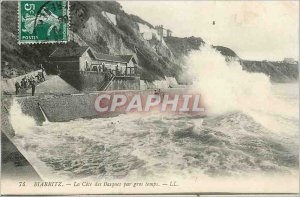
point(33, 84)
point(17, 85)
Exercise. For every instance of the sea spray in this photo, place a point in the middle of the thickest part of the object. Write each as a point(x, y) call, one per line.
point(20, 122)
point(226, 87)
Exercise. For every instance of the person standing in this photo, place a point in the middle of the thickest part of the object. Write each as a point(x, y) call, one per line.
point(33, 84)
point(23, 82)
point(43, 73)
point(17, 85)
point(26, 82)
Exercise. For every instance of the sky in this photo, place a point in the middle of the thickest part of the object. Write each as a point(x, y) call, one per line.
point(255, 30)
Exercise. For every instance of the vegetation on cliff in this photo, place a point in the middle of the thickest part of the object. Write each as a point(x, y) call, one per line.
point(226, 51)
point(181, 47)
point(280, 72)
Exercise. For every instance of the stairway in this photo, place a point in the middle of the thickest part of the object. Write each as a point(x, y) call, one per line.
point(106, 83)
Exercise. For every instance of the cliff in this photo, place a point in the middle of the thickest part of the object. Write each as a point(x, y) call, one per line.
point(89, 26)
point(106, 28)
point(181, 47)
point(279, 72)
point(226, 51)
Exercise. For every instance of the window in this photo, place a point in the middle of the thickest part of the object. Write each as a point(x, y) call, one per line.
point(87, 68)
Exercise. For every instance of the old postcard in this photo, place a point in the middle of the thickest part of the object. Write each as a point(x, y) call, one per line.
point(149, 97)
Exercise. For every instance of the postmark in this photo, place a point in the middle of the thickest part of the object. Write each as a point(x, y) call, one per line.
point(43, 22)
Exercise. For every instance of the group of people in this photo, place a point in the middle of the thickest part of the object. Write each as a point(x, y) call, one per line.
point(29, 82)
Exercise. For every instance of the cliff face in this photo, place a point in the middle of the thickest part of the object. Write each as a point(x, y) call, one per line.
point(227, 52)
point(181, 47)
point(21, 59)
point(279, 72)
point(89, 26)
point(106, 28)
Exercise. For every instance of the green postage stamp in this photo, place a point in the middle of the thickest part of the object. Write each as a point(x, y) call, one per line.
point(43, 22)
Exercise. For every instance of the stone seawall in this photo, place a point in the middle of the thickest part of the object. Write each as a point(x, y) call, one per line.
point(60, 108)
point(84, 81)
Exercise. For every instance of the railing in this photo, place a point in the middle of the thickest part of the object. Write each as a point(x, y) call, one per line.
point(129, 71)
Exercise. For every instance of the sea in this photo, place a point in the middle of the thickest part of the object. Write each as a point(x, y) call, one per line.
point(248, 140)
point(154, 145)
